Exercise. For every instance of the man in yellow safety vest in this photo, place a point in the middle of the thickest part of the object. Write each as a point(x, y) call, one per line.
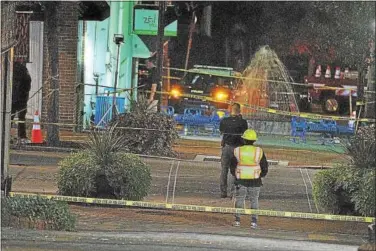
point(251, 167)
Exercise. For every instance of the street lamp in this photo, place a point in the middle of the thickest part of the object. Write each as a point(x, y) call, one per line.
point(118, 40)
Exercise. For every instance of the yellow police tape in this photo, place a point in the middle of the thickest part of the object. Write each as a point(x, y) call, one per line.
point(274, 111)
point(196, 208)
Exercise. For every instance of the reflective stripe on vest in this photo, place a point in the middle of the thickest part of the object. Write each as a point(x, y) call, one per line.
point(249, 158)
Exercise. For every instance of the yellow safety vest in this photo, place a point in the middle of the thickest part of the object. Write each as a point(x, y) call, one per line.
point(248, 167)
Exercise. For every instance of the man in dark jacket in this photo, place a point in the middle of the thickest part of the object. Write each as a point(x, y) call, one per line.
point(232, 128)
point(20, 95)
point(251, 166)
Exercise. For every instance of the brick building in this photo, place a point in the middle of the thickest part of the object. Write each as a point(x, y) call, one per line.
point(66, 22)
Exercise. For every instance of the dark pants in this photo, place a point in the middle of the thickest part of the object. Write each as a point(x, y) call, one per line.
point(21, 110)
point(227, 161)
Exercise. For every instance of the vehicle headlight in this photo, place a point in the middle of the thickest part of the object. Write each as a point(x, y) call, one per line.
point(221, 96)
point(175, 93)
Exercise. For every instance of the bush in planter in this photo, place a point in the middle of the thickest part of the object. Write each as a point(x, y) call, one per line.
point(128, 176)
point(350, 189)
point(102, 170)
point(324, 190)
point(364, 196)
point(330, 194)
point(359, 179)
point(361, 148)
point(54, 215)
point(77, 174)
point(160, 137)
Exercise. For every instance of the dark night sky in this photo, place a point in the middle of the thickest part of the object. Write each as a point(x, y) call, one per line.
point(256, 16)
point(210, 51)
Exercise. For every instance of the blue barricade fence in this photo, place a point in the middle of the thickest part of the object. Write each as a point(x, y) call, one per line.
point(194, 118)
point(103, 111)
point(300, 126)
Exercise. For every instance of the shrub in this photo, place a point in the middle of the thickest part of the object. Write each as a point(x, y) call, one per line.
point(158, 137)
point(55, 214)
point(362, 147)
point(101, 170)
point(330, 194)
point(104, 143)
point(364, 196)
point(324, 190)
point(350, 188)
point(129, 177)
point(77, 174)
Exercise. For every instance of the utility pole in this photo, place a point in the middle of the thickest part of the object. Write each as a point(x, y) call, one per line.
point(53, 138)
point(158, 75)
point(192, 28)
point(5, 123)
point(118, 40)
point(370, 94)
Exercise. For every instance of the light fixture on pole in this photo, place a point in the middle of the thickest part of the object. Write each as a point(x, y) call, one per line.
point(118, 40)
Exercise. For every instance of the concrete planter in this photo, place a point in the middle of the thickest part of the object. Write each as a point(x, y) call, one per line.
point(270, 127)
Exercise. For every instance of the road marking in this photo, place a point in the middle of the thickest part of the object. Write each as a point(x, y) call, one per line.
point(176, 177)
point(306, 188)
point(169, 178)
point(310, 181)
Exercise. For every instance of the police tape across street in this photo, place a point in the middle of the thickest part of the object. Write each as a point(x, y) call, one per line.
point(196, 208)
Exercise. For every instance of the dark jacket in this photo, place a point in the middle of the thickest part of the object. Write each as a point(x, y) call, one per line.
point(255, 182)
point(21, 85)
point(232, 129)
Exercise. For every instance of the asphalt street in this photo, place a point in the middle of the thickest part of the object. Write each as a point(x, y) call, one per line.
point(185, 182)
point(135, 241)
point(285, 189)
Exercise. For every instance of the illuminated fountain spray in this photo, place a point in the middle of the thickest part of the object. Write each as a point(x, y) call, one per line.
point(266, 83)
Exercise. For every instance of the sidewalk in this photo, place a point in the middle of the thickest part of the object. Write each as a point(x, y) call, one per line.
point(128, 219)
point(114, 224)
point(135, 240)
point(189, 148)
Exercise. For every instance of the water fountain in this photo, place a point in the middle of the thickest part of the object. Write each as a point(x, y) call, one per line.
point(266, 83)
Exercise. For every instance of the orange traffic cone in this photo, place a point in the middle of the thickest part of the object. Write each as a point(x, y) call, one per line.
point(328, 74)
point(36, 133)
point(318, 71)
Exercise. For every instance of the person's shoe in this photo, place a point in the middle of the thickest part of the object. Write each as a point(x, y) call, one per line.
point(236, 224)
point(254, 225)
point(24, 141)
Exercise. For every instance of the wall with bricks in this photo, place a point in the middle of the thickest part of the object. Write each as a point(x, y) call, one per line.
point(67, 25)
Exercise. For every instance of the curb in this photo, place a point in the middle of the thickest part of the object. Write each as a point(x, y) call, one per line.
point(312, 167)
point(200, 158)
point(207, 158)
point(44, 148)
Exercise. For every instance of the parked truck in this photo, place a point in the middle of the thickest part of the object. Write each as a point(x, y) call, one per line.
point(325, 90)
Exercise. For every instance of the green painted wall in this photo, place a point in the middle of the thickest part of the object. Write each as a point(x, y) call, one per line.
point(100, 53)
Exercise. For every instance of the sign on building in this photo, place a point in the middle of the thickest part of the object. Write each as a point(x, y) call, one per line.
point(146, 23)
